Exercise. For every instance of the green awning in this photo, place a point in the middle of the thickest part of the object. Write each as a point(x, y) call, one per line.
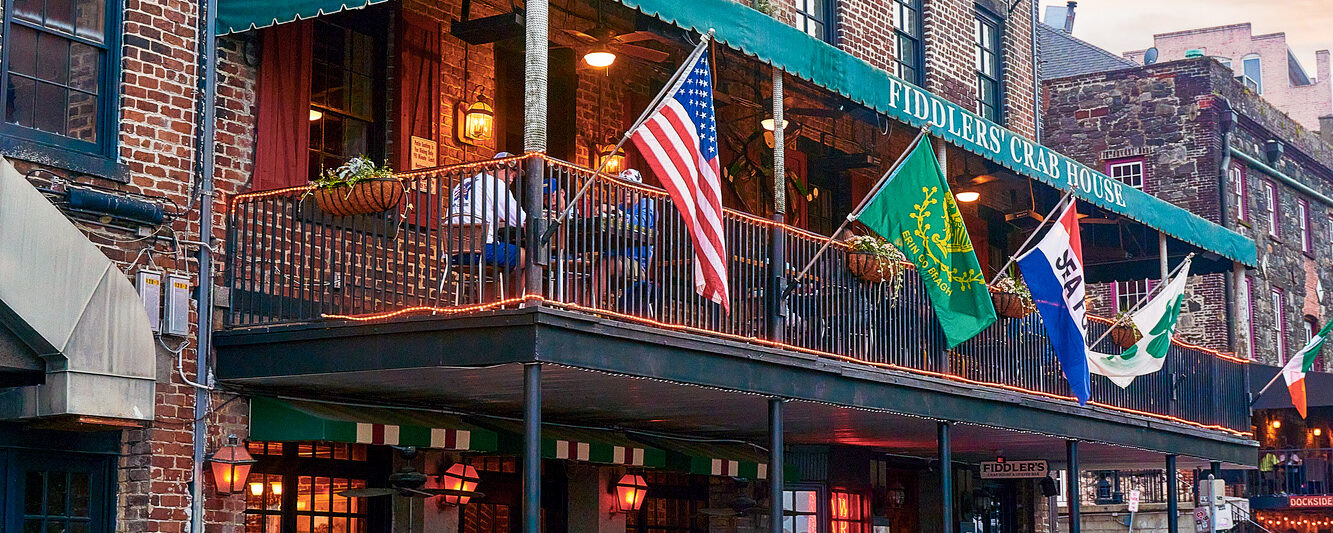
point(717, 458)
point(580, 444)
point(801, 55)
point(292, 420)
point(241, 15)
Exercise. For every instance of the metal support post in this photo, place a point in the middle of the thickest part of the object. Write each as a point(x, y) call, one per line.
point(775, 462)
point(946, 478)
point(532, 448)
point(1071, 484)
point(777, 247)
point(1172, 496)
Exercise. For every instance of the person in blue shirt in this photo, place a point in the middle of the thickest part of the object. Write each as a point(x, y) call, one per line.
point(628, 265)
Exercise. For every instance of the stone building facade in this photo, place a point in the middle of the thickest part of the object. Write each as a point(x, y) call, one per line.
point(1260, 173)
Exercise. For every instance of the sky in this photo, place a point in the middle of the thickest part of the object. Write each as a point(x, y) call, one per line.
point(1122, 25)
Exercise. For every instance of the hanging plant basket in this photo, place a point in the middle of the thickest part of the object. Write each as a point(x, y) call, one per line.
point(1010, 304)
point(870, 267)
point(374, 195)
point(1125, 335)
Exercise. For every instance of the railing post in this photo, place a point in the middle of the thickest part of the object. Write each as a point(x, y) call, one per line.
point(777, 246)
point(533, 203)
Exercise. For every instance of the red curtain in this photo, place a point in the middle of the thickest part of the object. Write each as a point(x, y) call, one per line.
point(283, 143)
point(419, 87)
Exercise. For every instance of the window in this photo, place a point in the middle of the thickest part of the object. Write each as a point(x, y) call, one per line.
point(1129, 293)
point(1248, 306)
point(1239, 196)
point(1279, 327)
point(802, 508)
point(909, 56)
point(1303, 217)
point(317, 472)
point(672, 504)
point(61, 68)
point(1309, 327)
point(1129, 172)
point(1225, 61)
point(343, 121)
point(1251, 74)
point(848, 513)
point(986, 56)
point(815, 18)
point(1270, 197)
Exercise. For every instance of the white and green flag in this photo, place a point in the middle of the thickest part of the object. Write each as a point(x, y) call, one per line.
point(1156, 320)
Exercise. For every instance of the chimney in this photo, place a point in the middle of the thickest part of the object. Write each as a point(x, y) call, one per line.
point(1069, 16)
point(1326, 128)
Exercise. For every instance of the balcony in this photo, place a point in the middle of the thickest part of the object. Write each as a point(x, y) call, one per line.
point(625, 257)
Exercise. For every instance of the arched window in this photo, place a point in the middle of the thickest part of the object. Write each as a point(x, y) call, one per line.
point(1251, 74)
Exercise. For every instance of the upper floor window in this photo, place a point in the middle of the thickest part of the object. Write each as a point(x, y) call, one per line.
point(1239, 196)
point(986, 56)
point(815, 17)
point(1270, 197)
point(343, 121)
point(1251, 74)
point(1130, 293)
point(1279, 326)
point(1129, 172)
point(1225, 61)
point(909, 56)
point(1303, 217)
point(60, 74)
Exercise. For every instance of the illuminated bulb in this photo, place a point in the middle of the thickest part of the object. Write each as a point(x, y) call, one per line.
point(967, 196)
point(599, 57)
point(1277, 424)
point(1318, 432)
point(256, 488)
point(316, 114)
point(768, 124)
point(275, 487)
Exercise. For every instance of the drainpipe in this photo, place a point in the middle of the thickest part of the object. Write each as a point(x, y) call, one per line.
point(1036, 78)
point(535, 66)
point(208, 51)
point(777, 252)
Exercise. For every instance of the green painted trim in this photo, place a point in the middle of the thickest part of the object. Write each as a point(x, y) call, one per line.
point(244, 15)
point(1268, 169)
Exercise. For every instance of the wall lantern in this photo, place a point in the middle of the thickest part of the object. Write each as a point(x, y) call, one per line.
point(476, 120)
point(609, 159)
point(461, 478)
point(231, 466)
point(1277, 424)
point(897, 494)
point(968, 197)
point(599, 57)
point(630, 492)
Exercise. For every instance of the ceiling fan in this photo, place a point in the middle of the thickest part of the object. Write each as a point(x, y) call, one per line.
point(407, 481)
point(601, 44)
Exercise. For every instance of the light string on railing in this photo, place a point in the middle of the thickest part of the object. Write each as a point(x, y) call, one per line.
point(768, 343)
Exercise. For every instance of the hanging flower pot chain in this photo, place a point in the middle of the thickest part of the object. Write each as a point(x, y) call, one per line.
point(358, 187)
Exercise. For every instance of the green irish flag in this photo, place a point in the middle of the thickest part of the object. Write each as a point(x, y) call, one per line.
point(915, 210)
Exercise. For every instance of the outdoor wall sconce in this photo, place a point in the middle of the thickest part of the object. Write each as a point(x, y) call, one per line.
point(599, 57)
point(315, 115)
point(768, 124)
point(630, 491)
point(968, 197)
point(476, 120)
point(1317, 432)
point(609, 159)
point(897, 494)
point(231, 466)
point(461, 480)
point(1277, 424)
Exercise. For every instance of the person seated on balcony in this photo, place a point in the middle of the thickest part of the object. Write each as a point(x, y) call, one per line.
point(629, 264)
point(486, 199)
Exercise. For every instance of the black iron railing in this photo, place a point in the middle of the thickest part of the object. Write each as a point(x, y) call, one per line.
point(1292, 471)
point(457, 240)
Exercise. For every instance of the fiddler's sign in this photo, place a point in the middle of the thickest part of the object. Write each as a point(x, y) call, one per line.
point(1013, 469)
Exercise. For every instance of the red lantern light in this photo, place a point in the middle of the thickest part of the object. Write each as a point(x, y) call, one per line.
point(231, 466)
point(460, 477)
point(630, 492)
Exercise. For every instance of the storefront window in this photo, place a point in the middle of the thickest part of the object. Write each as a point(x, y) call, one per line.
point(804, 504)
point(672, 504)
point(295, 486)
point(848, 513)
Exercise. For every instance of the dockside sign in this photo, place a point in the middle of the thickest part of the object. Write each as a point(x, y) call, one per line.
point(1310, 501)
point(1013, 469)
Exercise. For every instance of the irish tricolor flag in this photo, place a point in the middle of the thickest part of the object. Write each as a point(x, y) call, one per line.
point(1294, 371)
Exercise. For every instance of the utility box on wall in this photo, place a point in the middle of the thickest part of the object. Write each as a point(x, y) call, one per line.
point(149, 283)
point(177, 312)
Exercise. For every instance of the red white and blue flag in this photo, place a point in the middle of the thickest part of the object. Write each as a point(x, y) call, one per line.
point(679, 141)
point(1053, 271)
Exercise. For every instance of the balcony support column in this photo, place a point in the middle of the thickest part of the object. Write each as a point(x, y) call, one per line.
point(534, 182)
point(777, 246)
point(536, 57)
point(1071, 484)
point(946, 477)
point(775, 462)
point(532, 448)
point(1172, 495)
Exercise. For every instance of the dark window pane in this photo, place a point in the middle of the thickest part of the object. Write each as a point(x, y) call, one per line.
point(29, 10)
point(79, 496)
point(333, 133)
point(55, 526)
point(19, 109)
point(52, 58)
point(60, 15)
point(91, 19)
point(32, 526)
point(363, 53)
point(57, 493)
point(23, 50)
point(85, 65)
point(49, 114)
point(34, 486)
point(77, 527)
point(361, 95)
point(356, 137)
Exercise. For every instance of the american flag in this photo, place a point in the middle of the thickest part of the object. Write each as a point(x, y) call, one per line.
point(679, 141)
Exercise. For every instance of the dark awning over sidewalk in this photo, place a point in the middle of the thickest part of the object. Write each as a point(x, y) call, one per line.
point(1318, 388)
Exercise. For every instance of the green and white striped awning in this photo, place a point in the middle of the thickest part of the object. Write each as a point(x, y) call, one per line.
point(294, 420)
point(717, 459)
point(581, 444)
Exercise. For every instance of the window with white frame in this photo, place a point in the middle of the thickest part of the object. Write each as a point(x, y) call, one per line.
point(1251, 73)
point(814, 17)
point(1247, 304)
point(1303, 217)
point(1236, 175)
point(1279, 327)
point(1270, 198)
point(1129, 172)
point(1129, 293)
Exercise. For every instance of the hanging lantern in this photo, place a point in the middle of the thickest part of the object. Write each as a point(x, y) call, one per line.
point(476, 120)
point(609, 159)
point(630, 492)
point(897, 494)
point(462, 478)
point(231, 466)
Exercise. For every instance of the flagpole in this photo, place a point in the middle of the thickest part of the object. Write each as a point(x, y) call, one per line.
point(1265, 389)
point(1141, 301)
point(999, 273)
point(657, 100)
point(855, 212)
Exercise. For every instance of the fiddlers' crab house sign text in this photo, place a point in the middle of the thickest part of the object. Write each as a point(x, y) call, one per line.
point(1003, 146)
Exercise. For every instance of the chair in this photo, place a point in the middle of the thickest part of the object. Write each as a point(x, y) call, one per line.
point(464, 245)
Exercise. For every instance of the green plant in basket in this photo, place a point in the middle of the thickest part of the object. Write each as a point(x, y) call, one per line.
point(354, 171)
point(358, 187)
